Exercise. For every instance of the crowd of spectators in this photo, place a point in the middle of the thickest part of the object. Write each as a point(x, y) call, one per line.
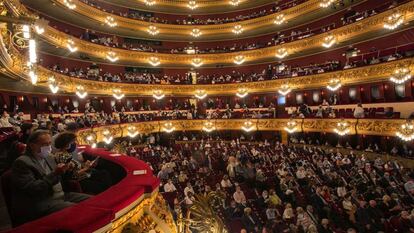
point(193, 20)
point(270, 187)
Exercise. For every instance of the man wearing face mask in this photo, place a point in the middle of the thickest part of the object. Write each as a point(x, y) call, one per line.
point(36, 181)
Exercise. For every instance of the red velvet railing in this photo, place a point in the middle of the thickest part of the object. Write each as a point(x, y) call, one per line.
point(98, 211)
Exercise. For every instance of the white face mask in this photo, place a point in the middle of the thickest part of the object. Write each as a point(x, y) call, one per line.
point(45, 151)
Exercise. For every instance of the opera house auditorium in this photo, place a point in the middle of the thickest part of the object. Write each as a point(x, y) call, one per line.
point(207, 116)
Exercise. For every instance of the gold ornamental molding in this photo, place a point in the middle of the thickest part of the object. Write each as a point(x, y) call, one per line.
point(382, 127)
point(173, 29)
point(369, 74)
point(339, 35)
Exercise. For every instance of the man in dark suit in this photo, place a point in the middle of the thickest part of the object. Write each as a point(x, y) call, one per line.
point(36, 186)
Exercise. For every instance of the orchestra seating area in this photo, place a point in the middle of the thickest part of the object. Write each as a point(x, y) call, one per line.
point(190, 116)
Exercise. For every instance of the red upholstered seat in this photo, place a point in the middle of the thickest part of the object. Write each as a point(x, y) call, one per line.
point(68, 220)
point(116, 198)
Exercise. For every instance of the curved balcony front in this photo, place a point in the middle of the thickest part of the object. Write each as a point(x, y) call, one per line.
point(134, 198)
point(362, 30)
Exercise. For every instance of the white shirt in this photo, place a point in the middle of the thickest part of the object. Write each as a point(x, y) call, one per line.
point(169, 188)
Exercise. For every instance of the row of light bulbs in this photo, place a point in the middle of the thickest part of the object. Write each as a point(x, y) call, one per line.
point(400, 76)
point(192, 4)
point(343, 127)
point(197, 62)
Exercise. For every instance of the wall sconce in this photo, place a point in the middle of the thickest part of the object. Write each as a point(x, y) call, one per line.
point(284, 89)
point(401, 75)
point(107, 137)
point(239, 59)
point(197, 62)
point(248, 126)
point(69, 4)
point(326, 3)
point(200, 94)
point(281, 53)
point(154, 61)
point(40, 26)
point(208, 127)
point(279, 19)
point(132, 131)
point(196, 32)
point(149, 2)
point(112, 57)
point(394, 21)
point(158, 94)
point(118, 94)
point(91, 139)
point(80, 92)
point(234, 2)
point(192, 4)
point(153, 30)
point(53, 86)
point(237, 29)
point(110, 21)
point(242, 92)
point(291, 126)
point(406, 132)
point(70, 44)
point(168, 127)
point(334, 84)
point(342, 128)
point(33, 77)
point(328, 41)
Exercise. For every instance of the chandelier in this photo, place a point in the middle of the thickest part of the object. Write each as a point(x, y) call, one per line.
point(342, 128)
point(326, 3)
point(406, 131)
point(197, 62)
point(284, 89)
point(153, 30)
point(132, 131)
point(107, 137)
point(196, 32)
point(112, 57)
point(248, 126)
point(168, 127)
point(242, 92)
point(281, 53)
point(154, 61)
point(328, 41)
point(208, 127)
point(149, 2)
point(401, 75)
point(117, 94)
point(192, 4)
point(32, 51)
point(110, 21)
point(239, 59)
point(279, 19)
point(53, 86)
point(69, 4)
point(394, 21)
point(80, 92)
point(158, 94)
point(234, 2)
point(200, 94)
point(291, 126)
point(70, 44)
point(334, 84)
point(237, 29)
